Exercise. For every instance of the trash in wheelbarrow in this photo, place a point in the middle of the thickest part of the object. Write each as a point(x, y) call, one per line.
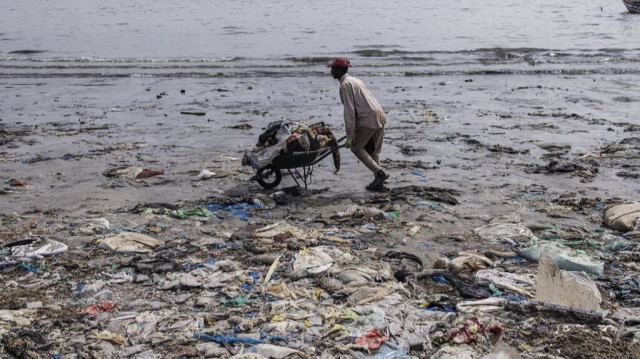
point(291, 146)
point(271, 144)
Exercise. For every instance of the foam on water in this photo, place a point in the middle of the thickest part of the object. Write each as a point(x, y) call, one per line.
point(486, 61)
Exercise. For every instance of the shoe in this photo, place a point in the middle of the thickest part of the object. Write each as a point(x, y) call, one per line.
point(376, 185)
point(383, 175)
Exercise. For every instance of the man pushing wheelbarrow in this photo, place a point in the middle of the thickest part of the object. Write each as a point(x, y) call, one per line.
point(364, 121)
point(281, 147)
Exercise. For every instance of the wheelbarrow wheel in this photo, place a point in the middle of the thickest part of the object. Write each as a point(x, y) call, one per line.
point(269, 177)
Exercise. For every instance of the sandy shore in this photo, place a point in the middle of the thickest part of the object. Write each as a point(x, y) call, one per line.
point(60, 135)
point(551, 153)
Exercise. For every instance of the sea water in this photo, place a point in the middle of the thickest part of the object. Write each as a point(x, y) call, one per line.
point(280, 38)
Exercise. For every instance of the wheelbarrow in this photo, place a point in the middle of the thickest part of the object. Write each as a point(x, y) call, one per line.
point(270, 175)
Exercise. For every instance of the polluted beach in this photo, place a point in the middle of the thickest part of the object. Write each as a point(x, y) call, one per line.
point(179, 181)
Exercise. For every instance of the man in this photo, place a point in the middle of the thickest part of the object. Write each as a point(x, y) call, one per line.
point(364, 121)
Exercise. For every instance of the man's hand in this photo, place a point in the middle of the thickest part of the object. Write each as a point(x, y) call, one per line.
point(348, 143)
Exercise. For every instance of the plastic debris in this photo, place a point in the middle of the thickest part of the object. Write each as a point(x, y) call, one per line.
point(571, 289)
point(205, 175)
point(229, 339)
point(272, 351)
point(499, 232)
point(391, 351)
point(373, 339)
point(37, 248)
point(129, 242)
point(462, 261)
point(565, 258)
point(95, 309)
point(124, 172)
point(193, 212)
point(508, 281)
point(483, 305)
point(309, 274)
point(502, 351)
point(149, 173)
point(273, 230)
point(311, 262)
point(624, 217)
point(115, 338)
point(458, 352)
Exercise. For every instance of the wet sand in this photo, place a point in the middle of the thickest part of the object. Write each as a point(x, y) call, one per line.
point(493, 139)
point(60, 135)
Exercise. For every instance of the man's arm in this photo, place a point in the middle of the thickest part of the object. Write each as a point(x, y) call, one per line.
point(346, 95)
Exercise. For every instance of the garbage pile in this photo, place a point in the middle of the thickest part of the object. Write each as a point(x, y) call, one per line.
point(275, 275)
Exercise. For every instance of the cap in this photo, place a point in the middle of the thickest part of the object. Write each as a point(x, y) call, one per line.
point(339, 61)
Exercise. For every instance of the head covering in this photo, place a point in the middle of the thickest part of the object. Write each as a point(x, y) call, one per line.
point(339, 61)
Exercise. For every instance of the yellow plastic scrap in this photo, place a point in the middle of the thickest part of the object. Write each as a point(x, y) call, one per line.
point(317, 295)
point(423, 305)
point(278, 318)
point(210, 321)
point(304, 251)
point(294, 232)
point(272, 269)
point(337, 239)
point(473, 328)
point(308, 324)
point(347, 313)
point(154, 229)
point(336, 328)
point(114, 338)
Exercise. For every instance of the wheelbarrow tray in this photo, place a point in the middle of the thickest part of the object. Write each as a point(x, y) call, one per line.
point(291, 161)
point(300, 159)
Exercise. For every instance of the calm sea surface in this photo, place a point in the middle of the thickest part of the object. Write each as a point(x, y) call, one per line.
point(218, 38)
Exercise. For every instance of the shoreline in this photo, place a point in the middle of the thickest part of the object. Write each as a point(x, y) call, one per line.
point(88, 129)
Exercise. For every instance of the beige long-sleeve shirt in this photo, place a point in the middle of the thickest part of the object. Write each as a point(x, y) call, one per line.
point(361, 109)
